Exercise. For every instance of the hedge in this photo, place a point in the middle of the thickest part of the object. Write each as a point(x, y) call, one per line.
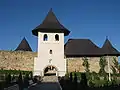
point(14, 71)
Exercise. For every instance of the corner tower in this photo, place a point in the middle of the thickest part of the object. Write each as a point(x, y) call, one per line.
point(50, 58)
point(23, 46)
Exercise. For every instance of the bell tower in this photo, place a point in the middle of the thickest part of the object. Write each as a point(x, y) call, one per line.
point(50, 59)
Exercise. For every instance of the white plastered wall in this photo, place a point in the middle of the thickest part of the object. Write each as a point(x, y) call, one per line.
point(57, 56)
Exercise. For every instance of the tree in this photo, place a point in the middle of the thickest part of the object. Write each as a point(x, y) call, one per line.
point(119, 68)
point(84, 81)
point(113, 70)
point(8, 79)
point(71, 78)
point(13, 79)
point(102, 64)
point(75, 77)
point(20, 81)
point(26, 80)
point(86, 64)
point(31, 75)
point(115, 67)
point(75, 81)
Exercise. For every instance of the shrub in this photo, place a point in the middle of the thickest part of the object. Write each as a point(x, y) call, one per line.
point(20, 81)
point(8, 79)
point(2, 85)
point(71, 77)
point(86, 64)
point(75, 77)
point(90, 83)
point(26, 82)
point(83, 79)
point(102, 64)
point(67, 75)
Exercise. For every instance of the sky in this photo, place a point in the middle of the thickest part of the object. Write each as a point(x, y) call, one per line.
point(86, 19)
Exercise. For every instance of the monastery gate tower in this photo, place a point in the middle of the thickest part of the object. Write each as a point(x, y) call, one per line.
point(50, 59)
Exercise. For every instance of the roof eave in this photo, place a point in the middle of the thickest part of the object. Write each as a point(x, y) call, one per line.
point(84, 55)
point(65, 31)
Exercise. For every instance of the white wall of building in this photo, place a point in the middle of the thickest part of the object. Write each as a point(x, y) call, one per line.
point(44, 56)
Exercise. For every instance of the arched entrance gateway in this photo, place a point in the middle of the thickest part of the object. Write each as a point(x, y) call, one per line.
point(50, 70)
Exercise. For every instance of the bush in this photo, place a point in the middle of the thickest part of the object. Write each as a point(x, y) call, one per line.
point(75, 77)
point(90, 83)
point(13, 71)
point(8, 79)
point(71, 77)
point(94, 79)
point(26, 82)
point(95, 76)
point(83, 79)
point(2, 85)
point(20, 81)
point(67, 75)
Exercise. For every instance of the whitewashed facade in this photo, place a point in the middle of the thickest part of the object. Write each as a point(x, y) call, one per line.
point(50, 53)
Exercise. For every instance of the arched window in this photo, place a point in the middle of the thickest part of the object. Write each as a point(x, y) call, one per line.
point(50, 52)
point(56, 37)
point(45, 38)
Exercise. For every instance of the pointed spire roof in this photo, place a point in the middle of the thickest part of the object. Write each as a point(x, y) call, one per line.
point(23, 46)
point(108, 49)
point(50, 24)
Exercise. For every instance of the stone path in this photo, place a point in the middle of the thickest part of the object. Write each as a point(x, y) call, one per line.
point(50, 79)
point(48, 83)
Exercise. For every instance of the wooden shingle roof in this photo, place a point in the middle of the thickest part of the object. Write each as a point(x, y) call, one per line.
point(81, 47)
point(85, 47)
point(50, 24)
point(23, 46)
point(108, 49)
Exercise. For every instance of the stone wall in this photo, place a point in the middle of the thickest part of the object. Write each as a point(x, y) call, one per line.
point(75, 64)
point(18, 60)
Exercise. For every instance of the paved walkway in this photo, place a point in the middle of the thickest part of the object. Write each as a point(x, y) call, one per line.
point(46, 86)
point(48, 83)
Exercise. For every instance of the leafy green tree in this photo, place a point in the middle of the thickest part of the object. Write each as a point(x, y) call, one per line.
point(115, 67)
point(84, 81)
point(75, 77)
point(31, 75)
point(8, 79)
point(71, 77)
point(13, 78)
point(119, 68)
point(113, 70)
point(86, 64)
point(75, 81)
point(26, 80)
point(102, 64)
point(20, 81)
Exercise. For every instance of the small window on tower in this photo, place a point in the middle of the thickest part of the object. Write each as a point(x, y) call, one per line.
point(56, 37)
point(50, 51)
point(45, 38)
